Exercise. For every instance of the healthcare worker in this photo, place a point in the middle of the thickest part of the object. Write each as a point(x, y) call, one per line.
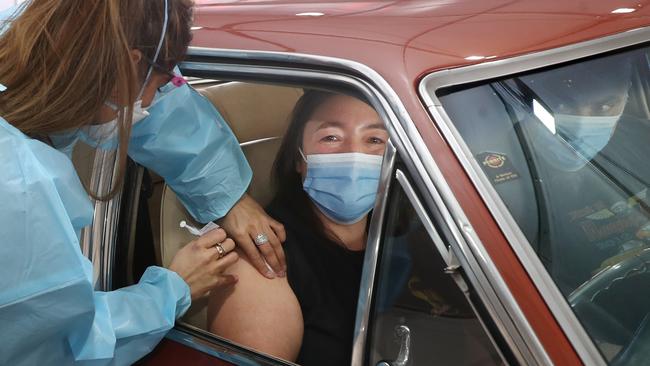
point(88, 70)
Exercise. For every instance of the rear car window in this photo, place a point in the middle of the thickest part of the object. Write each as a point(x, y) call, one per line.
point(568, 151)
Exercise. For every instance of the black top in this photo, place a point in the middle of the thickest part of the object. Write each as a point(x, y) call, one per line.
point(325, 278)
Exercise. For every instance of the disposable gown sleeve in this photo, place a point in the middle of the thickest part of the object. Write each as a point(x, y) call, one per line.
point(49, 311)
point(187, 142)
point(132, 320)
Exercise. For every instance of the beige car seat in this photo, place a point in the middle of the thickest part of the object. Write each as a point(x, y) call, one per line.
point(258, 115)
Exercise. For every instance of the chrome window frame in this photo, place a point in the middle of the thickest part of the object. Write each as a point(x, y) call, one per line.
point(480, 270)
point(221, 348)
point(428, 88)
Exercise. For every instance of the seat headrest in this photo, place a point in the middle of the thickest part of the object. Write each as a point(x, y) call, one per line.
point(254, 111)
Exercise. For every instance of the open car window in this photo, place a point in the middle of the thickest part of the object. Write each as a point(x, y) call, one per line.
point(257, 113)
point(566, 149)
point(412, 289)
point(259, 116)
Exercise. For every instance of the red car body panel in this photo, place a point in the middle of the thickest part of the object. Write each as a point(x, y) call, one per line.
point(405, 40)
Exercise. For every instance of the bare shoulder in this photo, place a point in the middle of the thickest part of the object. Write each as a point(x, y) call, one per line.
point(258, 312)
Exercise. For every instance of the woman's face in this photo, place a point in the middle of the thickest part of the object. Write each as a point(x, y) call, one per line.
point(343, 124)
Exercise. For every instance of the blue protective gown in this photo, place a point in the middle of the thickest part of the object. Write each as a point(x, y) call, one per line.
point(49, 311)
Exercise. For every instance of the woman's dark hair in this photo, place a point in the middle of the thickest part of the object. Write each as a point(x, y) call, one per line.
point(285, 176)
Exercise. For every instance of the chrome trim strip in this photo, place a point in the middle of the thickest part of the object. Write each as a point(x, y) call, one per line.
point(223, 349)
point(258, 141)
point(207, 347)
point(541, 278)
point(99, 239)
point(527, 62)
point(199, 82)
point(371, 257)
point(495, 294)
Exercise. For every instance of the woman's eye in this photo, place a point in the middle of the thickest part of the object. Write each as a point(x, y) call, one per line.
point(375, 140)
point(330, 138)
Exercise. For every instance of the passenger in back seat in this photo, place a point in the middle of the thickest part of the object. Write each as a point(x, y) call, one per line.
point(327, 173)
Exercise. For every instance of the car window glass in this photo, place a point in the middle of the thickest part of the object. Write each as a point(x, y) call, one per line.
point(419, 315)
point(567, 150)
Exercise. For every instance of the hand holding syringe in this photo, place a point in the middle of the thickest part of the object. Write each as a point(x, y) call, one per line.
point(198, 232)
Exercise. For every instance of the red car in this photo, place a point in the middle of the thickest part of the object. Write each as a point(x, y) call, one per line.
point(518, 155)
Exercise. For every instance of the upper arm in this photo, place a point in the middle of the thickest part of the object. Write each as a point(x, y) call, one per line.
point(187, 142)
point(258, 312)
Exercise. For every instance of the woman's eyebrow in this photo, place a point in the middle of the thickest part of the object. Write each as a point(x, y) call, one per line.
point(327, 124)
point(374, 126)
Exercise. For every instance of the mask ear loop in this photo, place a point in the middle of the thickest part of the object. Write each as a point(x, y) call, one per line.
point(155, 58)
point(302, 154)
point(158, 48)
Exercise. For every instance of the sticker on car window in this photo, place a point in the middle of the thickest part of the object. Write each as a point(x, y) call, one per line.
point(497, 166)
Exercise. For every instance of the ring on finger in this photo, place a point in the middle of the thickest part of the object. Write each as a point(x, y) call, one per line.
point(220, 250)
point(261, 238)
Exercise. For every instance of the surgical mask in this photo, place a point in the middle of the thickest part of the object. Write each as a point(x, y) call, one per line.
point(102, 135)
point(343, 186)
point(106, 135)
point(587, 134)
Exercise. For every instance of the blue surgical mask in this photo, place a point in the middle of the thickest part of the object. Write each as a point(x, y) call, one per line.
point(343, 186)
point(104, 136)
point(587, 134)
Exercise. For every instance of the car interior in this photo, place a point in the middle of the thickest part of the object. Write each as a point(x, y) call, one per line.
point(259, 134)
point(423, 297)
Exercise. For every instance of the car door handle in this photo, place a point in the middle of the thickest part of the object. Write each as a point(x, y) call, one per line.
point(404, 334)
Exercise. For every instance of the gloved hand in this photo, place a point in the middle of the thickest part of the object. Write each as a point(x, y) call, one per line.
point(258, 235)
point(202, 262)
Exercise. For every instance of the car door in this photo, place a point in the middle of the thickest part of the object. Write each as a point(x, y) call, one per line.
point(419, 308)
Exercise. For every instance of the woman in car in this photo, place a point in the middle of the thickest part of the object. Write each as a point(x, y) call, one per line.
point(326, 174)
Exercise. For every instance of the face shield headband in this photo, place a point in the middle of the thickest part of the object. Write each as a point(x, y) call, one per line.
point(158, 48)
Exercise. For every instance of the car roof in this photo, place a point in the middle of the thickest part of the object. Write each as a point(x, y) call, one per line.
point(418, 36)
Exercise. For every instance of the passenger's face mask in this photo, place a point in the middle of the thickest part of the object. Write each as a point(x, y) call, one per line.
point(587, 134)
point(343, 186)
